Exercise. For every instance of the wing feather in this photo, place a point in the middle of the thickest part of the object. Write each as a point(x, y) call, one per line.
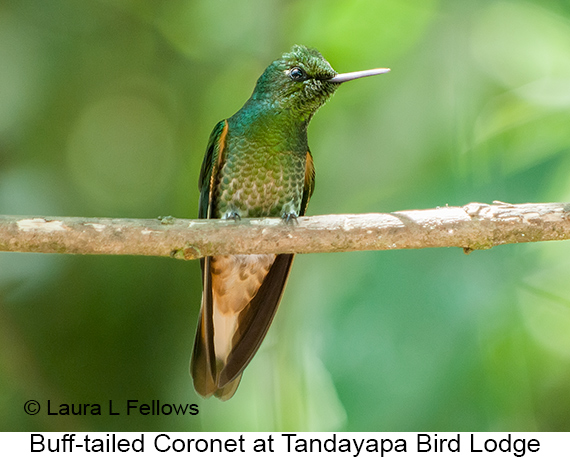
point(309, 185)
point(203, 363)
point(210, 167)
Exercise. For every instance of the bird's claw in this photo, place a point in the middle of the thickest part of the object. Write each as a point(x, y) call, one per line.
point(233, 215)
point(166, 220)
point(290, 218)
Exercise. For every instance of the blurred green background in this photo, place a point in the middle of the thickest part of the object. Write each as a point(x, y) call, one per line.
point(105, 110)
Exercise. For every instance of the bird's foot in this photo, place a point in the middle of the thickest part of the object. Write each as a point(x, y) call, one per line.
point(233, 215)
point(166, 220)
point(290, 218)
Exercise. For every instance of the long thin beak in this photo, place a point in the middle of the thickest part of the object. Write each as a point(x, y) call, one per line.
point(358, 74)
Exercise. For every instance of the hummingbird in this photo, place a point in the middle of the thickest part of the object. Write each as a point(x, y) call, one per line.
point(257, 164)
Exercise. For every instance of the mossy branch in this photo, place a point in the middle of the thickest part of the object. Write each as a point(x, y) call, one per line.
point(474, 226)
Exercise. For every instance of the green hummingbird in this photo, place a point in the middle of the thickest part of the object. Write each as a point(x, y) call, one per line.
point(257, 164)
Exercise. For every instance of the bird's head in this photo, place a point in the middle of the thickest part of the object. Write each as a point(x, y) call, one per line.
point(301, 81)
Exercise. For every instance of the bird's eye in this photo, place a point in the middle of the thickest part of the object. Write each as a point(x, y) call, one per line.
point(297, 74)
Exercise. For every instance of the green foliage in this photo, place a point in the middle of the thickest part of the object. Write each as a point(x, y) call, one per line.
point(105, 110)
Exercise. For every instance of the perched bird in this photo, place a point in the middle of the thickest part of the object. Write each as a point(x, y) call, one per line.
point(257, 164)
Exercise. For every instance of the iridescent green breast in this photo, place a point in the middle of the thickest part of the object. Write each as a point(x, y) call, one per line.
point(259, 178)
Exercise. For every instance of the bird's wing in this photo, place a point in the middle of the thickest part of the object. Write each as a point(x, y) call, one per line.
point(210, 167)
point(203, 364)
point(309, 185)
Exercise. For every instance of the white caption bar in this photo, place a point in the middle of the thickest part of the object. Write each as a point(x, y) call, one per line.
point(293, 444)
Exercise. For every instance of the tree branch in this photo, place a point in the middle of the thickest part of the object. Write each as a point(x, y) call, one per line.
point(474, 226)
